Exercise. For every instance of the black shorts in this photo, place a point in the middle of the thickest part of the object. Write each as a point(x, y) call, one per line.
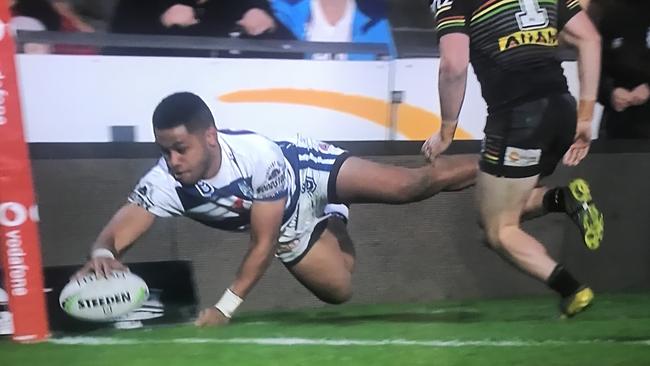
point(529, 139)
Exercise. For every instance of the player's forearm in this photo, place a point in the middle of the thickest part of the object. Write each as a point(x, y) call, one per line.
point(126, 226)
point(451, 86)
point(105, 241)
point(589, 51)
point(253, 267)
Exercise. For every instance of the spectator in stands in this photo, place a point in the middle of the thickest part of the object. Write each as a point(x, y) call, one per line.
point(95, 13)
point(55, 15)
point(41, 10)
point(214, 18)
point(336, 21)
point(20, 22)
point(625, 81)
point(70, 20)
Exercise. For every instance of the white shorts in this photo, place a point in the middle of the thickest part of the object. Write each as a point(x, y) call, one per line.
point(317, 163)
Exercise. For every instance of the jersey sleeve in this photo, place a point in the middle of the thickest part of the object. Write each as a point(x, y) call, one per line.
point(269, 178)
point(566, 10)
point(156, 194)
point(450, 17)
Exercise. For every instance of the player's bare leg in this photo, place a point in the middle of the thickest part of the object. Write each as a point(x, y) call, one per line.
point(363, 181)
point(534, 206)
point(326, 270)
point(501, 202)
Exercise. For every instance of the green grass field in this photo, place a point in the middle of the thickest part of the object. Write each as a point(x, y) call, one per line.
point(615, 331)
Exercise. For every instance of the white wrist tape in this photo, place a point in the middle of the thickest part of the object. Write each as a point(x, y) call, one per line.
point(228, 303)
point(102, 253)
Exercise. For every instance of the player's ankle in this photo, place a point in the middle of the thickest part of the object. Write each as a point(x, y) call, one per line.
point(562, 282)
point(554, 200)
point(339, 211)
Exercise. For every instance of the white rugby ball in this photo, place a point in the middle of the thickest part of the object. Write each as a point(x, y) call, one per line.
point(98, 298)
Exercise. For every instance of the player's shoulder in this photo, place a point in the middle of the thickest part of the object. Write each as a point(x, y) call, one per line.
point(442, 8)
point(236, 137)
point(248, 143)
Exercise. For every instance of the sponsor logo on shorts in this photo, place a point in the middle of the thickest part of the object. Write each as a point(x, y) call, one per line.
point(521, 157)
point(324, 146)
point(288, 247)
point(309, 185)
point(540, 37)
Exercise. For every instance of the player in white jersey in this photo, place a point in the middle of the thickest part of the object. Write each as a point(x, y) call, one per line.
point(291, 195)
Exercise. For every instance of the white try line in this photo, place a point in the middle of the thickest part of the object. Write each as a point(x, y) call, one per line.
point(280, 341)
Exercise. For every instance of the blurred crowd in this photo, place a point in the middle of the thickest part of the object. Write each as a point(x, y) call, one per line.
point(309, 20)
point(624, 26)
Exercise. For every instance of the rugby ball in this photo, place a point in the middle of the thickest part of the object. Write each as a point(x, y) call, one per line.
point(99, 298)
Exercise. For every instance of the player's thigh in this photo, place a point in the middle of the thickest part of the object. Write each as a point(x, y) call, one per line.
point(324, 269)
point(364, 181)
point(501, 201)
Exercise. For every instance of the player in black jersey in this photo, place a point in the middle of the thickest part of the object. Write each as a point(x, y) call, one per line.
point(531, 124)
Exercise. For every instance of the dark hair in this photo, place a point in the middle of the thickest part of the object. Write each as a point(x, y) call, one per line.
point(183, 109)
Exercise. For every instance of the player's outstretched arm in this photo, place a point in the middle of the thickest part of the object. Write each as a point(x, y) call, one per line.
point(266, 219)
point(126, 226)
point(452, 79)
point(583, 34)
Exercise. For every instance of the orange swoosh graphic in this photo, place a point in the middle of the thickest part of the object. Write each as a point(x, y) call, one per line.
point(413, 122)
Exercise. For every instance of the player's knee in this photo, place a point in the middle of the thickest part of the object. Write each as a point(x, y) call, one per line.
point(493, 239)
point(499, 236)
point(337, 295)
point(493, 235)
point(457, 171)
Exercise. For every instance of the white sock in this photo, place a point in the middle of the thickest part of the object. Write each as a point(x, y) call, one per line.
point(340, 209)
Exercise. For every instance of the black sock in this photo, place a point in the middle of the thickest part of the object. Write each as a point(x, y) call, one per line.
point(553, 200)
point(562, 281)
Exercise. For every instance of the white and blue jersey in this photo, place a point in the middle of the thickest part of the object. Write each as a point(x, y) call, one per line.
point(253, 168)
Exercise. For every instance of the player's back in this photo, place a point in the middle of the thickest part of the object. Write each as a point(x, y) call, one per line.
point(513, 45)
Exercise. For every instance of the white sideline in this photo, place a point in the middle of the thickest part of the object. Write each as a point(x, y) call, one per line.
point(281, 341)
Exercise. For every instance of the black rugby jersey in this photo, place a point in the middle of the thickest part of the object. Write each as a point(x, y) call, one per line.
point(512, 44)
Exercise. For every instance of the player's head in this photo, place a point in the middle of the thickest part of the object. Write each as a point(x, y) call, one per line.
point(186, 134)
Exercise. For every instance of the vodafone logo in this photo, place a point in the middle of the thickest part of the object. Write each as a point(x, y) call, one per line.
point(14, 214)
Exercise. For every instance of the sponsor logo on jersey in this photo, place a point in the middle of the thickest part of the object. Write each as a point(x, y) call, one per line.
point(205, 189)
point(275, 181)
point(245, 189)
point(141, 197)
point(540, 37)
point(436, 5)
